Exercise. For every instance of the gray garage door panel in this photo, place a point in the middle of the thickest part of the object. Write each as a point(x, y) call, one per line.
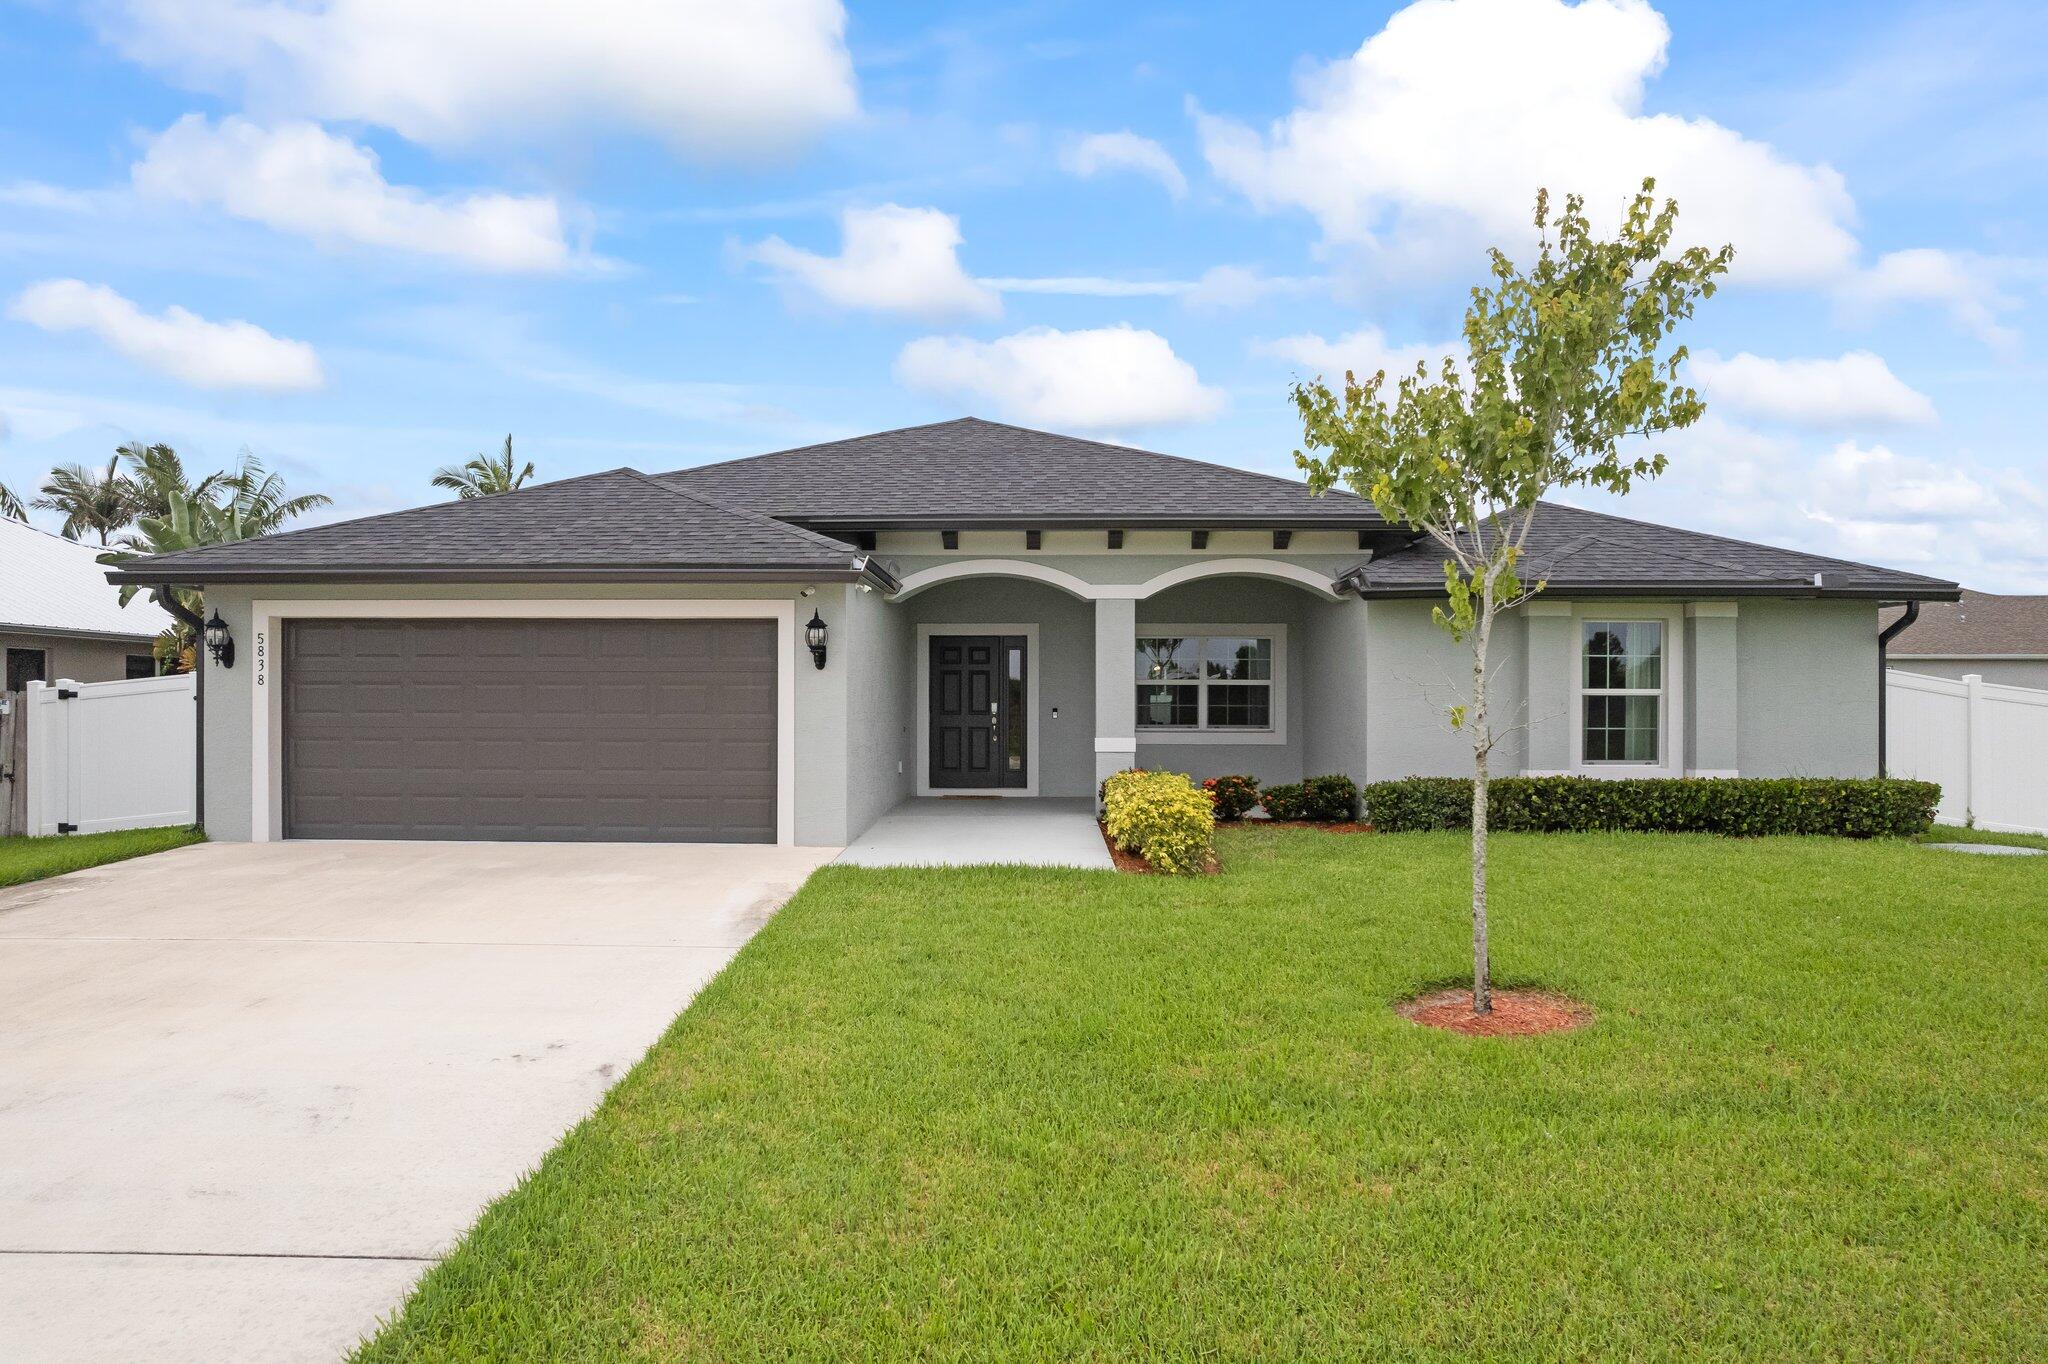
point(585, 730)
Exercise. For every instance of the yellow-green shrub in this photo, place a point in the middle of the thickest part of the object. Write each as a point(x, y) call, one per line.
point(1162, 816)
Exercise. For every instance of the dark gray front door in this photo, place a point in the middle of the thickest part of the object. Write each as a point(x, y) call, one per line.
point(979, 712)
point(543, 730)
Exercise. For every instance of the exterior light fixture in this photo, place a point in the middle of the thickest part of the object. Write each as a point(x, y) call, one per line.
point(814, 636)
point(219, 642)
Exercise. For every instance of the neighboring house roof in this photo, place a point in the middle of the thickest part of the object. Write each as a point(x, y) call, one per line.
point(1981, 625)
point(50, 585)
point(1588, 553)
point(970, 473)
point(616, 524)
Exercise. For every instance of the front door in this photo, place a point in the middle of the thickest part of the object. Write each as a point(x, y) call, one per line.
point(979, 712)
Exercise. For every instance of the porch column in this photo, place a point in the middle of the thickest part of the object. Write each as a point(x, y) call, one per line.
point(1116, 710)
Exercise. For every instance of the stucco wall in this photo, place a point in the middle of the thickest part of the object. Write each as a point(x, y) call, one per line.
point(1808, 682)
point(880, 743)
point(79, 660)
point(2009, 672)
point(1415, 672)
point(821, 784)
point(1336, 699)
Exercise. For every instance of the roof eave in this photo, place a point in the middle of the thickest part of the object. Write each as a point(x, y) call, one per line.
point(8, 627)
point(510, 573)
point(1694, 588)
point(1176, 521)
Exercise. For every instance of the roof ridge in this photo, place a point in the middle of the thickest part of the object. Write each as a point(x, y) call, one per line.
point(1210, 465)
point(808, 536)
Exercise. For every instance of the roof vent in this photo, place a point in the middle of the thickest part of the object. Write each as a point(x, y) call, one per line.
point(1830, 582)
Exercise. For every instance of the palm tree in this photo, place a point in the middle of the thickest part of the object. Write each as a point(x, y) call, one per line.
point(257, 504)
point(10, 505)
point(159, 476)
point(483, 476)
point(101, 503)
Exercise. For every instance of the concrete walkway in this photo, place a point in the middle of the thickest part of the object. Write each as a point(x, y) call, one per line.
point(957, 832)
point(248, 1093)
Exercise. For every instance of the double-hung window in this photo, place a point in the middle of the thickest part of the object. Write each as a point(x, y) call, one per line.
point(1205, 682)
point(1623, 691)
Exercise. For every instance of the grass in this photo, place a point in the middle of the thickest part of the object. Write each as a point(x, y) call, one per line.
point(1957, 833)
point(31, 859)
point(1003, 1114)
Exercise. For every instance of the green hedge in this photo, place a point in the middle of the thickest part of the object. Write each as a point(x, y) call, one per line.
point(1324, 800)
point(1709, 805)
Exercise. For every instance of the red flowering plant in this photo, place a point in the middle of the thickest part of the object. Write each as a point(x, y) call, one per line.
point(1232, 796)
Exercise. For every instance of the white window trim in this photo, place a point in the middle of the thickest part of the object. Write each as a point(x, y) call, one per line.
point(921, 683)
point(1275, 734)
point(266, 732)
point(1671, 714)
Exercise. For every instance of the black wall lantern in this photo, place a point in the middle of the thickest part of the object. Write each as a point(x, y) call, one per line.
point(814, 635)
point(219, 642)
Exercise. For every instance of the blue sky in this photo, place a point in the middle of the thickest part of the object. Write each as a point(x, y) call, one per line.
point(365, 238)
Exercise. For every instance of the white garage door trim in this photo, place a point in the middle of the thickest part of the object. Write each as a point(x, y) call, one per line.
point(266, 727)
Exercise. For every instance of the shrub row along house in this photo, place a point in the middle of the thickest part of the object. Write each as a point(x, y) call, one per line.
point(783, 647)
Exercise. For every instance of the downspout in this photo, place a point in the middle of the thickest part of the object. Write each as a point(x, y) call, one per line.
point(169, 596)
point(1884, 639)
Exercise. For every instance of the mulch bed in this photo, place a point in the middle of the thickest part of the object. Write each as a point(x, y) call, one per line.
point(1131, 862)
point(1516, 1013)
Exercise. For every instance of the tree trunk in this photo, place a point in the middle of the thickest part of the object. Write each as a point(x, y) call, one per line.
point(1482, 744)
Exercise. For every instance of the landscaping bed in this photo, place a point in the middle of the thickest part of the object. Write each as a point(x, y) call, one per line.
point(987, 1113)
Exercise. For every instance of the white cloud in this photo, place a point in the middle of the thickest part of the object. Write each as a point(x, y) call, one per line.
point(892, 260)
point(1105, 378)
point(1126, 151)
point(1858, 389)
point(175, 342)
point(1964, 286)
point(1435, 135)
point(1363, 353)
point(1871, 483)
point(298, 178)
point(716, 80)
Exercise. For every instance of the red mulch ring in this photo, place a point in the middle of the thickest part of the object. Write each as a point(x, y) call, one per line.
point(1131, 862)
point(1349, 826)
point(1516, 1013)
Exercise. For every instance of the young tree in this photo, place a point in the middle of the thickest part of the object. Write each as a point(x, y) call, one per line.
point(1565, 362)
point(483, 475)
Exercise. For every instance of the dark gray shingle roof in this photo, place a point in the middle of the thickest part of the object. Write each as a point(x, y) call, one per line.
point(1584, 551)
point(599, 523)
point(973, 472)
point(1981, 624)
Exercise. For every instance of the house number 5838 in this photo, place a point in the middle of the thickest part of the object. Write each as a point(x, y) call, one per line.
point(262, 659)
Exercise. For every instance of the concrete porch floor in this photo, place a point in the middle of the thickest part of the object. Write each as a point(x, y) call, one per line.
point(951, 831)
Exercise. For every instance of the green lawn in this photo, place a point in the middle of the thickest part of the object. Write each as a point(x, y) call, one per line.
point(992, 1114)
point(31, 859)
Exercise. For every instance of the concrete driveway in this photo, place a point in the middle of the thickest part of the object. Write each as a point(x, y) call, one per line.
point(248, 1093)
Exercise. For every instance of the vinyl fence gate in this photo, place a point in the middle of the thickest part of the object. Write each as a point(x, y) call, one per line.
point(109, 755)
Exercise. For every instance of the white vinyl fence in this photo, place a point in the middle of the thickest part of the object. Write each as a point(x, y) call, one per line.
point(110, 755)
point(1987, 745)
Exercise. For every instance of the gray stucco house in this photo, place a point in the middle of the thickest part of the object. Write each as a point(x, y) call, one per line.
point(1005, 613)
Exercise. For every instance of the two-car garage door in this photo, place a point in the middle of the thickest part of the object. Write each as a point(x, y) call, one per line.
point(558, 730)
